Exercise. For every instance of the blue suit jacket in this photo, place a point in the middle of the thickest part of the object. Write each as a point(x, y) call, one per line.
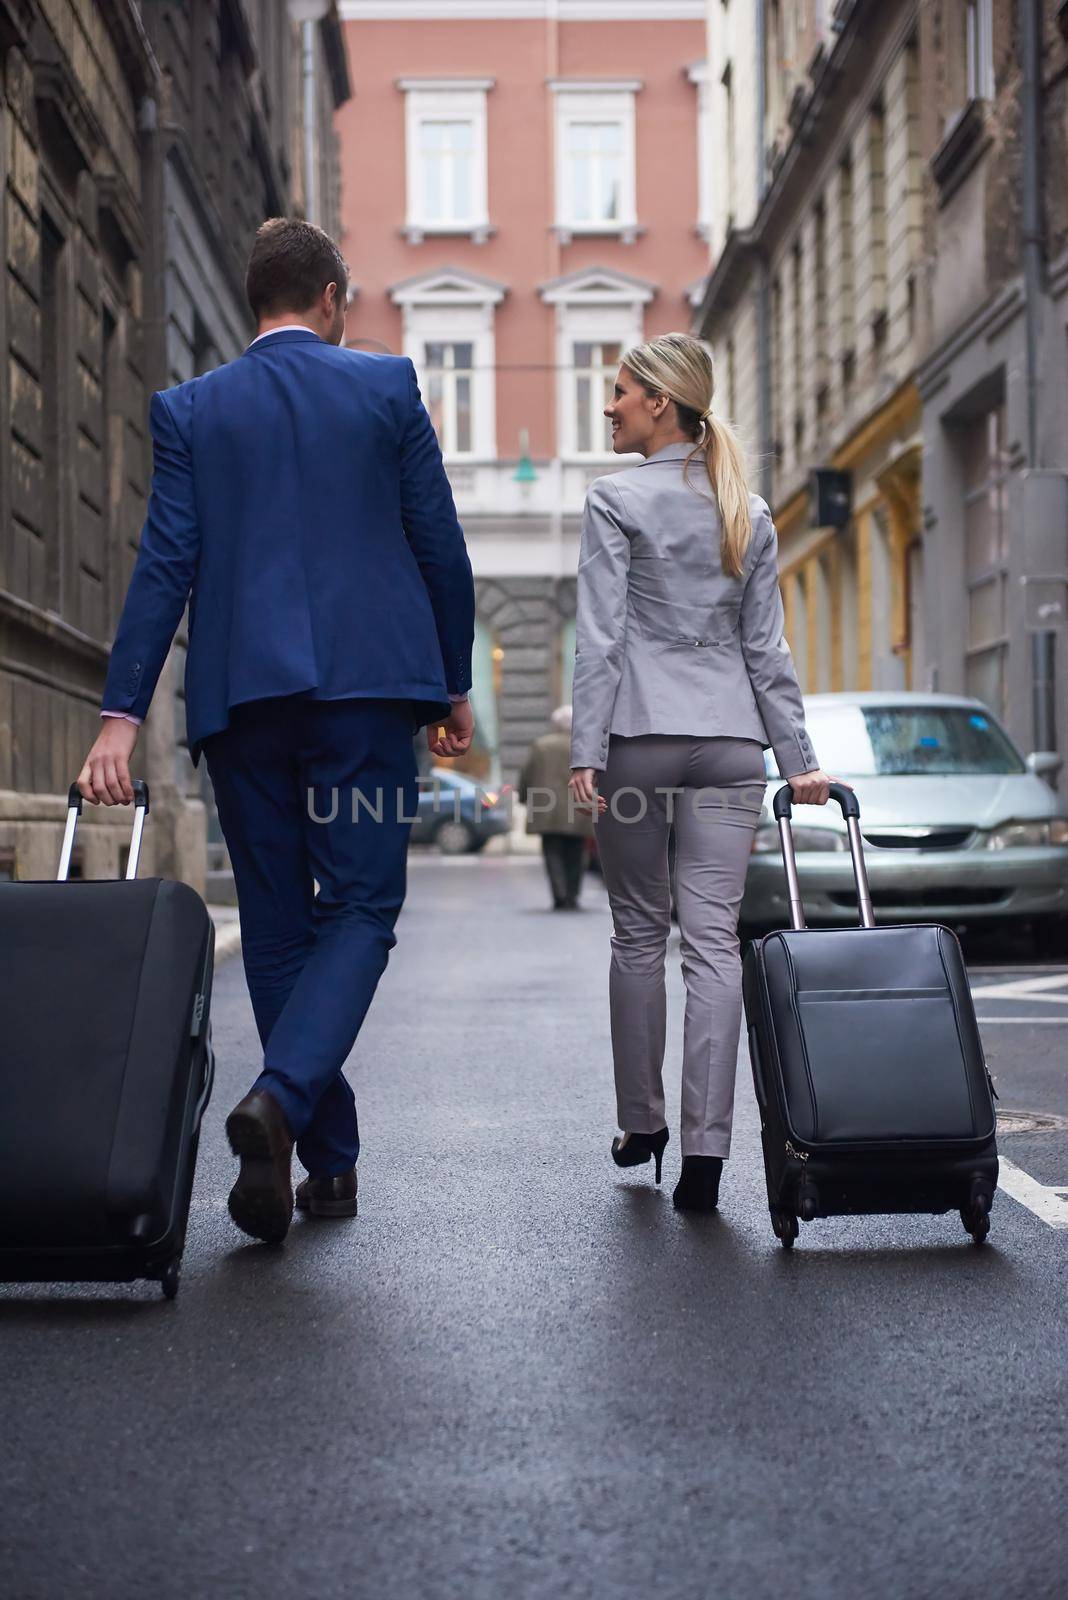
point(300, 505)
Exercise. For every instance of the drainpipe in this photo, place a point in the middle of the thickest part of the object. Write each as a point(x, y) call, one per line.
point(309, 14)
point(1043, 643)
point(1033, 240)
point(764, 375)
point(766, 470)
point(761, 102)
point(311, 176)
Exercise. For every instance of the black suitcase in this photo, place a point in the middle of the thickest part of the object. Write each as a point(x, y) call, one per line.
point(106, 1067)
point(869, 1071)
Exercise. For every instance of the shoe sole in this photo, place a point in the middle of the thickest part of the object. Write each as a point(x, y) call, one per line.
point(329, 1208)
point(260, 1203)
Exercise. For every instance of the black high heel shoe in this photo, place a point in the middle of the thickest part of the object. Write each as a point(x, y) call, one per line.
point(635, 1149)
point(698, 1186)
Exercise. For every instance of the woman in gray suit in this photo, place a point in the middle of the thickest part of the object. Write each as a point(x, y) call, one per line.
point(682, 678)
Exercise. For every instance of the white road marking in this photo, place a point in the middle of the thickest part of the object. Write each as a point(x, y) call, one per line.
point(1018, 999)
point(1056, 1021)
point(985, 971)
point(1026, 988)
point(1049, 1204)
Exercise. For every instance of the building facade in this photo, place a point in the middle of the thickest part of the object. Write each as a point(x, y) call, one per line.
point(886, 302)
point(72, 395)
point(814, 310)
point(525, 194)
point(994, 377)
point(141, 146)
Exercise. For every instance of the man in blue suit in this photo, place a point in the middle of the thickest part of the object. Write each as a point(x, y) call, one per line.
point(299, 504)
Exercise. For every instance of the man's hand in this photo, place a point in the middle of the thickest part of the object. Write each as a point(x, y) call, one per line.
point(105, 778)
point(453, 736)
point(812, 788)
point(582, 783)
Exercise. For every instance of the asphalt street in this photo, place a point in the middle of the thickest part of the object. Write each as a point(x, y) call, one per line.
point(519, 1373)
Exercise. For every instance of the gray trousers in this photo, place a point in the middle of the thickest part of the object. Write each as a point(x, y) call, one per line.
point(712, 790)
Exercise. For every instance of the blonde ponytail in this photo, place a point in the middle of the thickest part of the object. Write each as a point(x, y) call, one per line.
point(680, 367)
point(726, 474)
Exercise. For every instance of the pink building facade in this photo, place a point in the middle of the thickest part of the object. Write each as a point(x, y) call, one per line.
point(524, 194)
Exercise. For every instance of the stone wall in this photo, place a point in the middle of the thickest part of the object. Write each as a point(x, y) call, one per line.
point(73, 461)
point(140, 148)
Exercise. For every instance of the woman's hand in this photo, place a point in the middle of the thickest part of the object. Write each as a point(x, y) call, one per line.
point(813, 788)
point(582, 784)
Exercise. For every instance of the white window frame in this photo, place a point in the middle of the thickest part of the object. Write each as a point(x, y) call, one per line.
point(595, 306)
point(453, 307)
point(437, 100)
point(596, 419)
point(979, 49)
point(450, 374)
point(578, 102)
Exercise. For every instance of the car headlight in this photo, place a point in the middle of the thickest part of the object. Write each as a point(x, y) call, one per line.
point(767, 839)
point(1025, 835)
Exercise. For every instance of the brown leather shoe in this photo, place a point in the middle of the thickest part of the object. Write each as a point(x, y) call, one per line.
point(329, 1197)
point(261, 1201)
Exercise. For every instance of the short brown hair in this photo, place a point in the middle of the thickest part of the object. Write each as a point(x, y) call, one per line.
point(292, 262)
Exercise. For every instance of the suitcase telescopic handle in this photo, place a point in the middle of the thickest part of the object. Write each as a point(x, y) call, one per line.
point(74, 811)
point(782, 808)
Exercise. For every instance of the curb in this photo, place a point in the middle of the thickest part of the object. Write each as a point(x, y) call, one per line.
point(227, 933)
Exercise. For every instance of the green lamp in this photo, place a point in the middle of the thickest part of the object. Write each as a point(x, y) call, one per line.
point(524, 472)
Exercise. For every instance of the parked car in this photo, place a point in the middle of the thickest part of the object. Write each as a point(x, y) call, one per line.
point(958, 826)
point(456, 813)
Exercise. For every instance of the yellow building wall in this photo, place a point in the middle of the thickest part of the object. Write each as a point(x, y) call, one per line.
point(884, 458)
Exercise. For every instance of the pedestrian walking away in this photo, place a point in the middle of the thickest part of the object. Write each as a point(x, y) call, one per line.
point(565, 830)
point(682, 678)
point(299, 504)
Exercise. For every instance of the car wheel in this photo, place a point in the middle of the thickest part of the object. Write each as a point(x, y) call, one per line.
point(455, 838)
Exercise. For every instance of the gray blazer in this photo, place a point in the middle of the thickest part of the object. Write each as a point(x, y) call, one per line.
point(665, 641)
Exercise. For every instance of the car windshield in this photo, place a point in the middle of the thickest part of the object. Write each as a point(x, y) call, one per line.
point(909, 741)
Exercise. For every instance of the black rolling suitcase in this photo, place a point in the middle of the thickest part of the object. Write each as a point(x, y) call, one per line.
point(106, 1067)
point(868, 1067)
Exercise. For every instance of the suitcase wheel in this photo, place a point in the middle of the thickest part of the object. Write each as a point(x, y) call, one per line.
point(785, 1226)
point(169, 1278)
point(976, 1214)
point(976, 1220)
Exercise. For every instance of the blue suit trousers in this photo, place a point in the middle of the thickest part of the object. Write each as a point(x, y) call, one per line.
point(320, 790)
